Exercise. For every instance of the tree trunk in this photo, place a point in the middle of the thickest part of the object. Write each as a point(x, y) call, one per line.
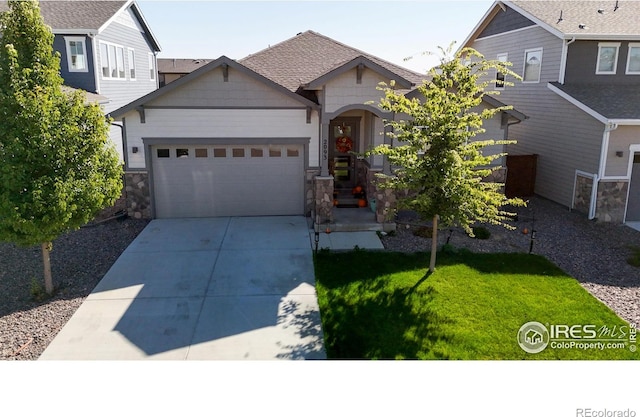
point(48, 280)
point(434, 244)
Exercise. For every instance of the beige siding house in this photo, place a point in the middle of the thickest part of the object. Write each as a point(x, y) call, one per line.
point(275, 133)
point(580, 63)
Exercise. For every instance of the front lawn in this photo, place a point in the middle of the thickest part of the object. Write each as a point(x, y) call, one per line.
point(379, 305)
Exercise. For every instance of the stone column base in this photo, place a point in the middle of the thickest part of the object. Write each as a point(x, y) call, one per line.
point(136, 185)
point(323, 202)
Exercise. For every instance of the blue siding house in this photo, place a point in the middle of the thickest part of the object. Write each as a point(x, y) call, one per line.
point(106, 49)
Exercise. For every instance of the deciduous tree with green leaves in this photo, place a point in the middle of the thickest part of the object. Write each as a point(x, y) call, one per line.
point(57, 167)
point(438, 164)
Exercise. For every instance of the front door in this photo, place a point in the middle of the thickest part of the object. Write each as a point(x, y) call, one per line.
point(343, 139)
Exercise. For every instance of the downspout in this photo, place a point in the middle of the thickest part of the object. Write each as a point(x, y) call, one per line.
point(563, 61)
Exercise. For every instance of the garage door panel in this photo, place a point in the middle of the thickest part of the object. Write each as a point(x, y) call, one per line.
point(258, 180)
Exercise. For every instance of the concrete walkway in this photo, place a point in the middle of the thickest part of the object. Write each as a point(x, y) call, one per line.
point(198, 289)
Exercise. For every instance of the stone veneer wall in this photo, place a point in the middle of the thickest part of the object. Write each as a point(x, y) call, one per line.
point(386, 201)
point(323, 199)
point(582, 198)
point(499, 175)
point(308, 191)
point(136, 186)
point(612, 200)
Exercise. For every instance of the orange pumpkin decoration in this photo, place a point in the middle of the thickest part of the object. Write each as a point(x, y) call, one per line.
point(335, 201)
point(362, 203)
point(356, 190)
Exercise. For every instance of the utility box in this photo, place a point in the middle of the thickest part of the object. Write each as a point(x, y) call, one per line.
point(521, 175)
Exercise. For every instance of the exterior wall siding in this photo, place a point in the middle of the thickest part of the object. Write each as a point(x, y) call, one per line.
point(128, 35)
point(619, 141)
point(504, 22)
point(239, 91)
point(82, 80)
point(220, 123)
point(582, 57)
point(343, 90)
point(564, 137)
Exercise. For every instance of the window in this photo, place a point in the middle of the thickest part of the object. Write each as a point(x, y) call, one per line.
point(163, 153)
point(532, 65)
point(237, 152)
point(500, 77)
point(275, 151)
point(132, 63)
point(607, 58)
point(182, 153)
point(256, 152)
point(152, 67)
point(633, 59)
point(201, 153)
point(292, 152)
point(219, 153)
point(76, 54)
point(112, 61)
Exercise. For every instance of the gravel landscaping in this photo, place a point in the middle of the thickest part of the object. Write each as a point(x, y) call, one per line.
point(78, 261)
point(594, 253)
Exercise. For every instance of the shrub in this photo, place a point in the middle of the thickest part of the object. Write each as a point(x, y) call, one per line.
point(481, 233)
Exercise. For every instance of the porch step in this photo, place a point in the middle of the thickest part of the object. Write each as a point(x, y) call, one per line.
point(346, 199)
point(356, 227)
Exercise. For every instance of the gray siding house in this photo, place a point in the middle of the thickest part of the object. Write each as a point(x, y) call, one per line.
point(580, 63)
point(275, 133)
point(106, 49)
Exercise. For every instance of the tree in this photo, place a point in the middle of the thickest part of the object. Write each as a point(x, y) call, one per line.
point(57, 170)
point(440, 168)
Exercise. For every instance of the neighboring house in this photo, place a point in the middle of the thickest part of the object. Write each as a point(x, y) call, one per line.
point(106, 49)
point(271, 134)
point(580, 63)
point(170, 69)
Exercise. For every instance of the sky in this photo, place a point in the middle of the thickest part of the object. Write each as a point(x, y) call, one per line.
point(392, 30)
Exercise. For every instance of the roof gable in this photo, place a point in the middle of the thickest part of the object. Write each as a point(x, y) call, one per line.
point(308, 56)
point(221, 62)
point(86, 16)
point(568, 19)
point(359, 62)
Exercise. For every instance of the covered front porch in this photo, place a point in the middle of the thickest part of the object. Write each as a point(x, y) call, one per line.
point(347, 195)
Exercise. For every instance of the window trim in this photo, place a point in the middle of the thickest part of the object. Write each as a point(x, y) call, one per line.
point(82, 40)
point(615, 59)
point(152, 67)
point(132, 63)
point(506, 59)
point(631, 45)
point(113, 65)
point(524, 65)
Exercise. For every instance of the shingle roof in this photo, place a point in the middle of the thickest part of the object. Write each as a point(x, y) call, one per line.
point(180, 66)
point(76, 14)
point(611, 101)
point(84, 15)
point(600, 18)
point(309, 55)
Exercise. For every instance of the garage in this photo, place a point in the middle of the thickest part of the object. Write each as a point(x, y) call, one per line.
point(209, 180)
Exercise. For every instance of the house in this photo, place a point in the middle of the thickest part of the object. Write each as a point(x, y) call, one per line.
point(106, 49)
point(170, 69)
point(580, 63)
point(275, 133)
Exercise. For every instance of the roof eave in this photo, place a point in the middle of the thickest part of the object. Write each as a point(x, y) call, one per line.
point(88, 32)
point(323, 79)
point(136, 10)
point(202, 70)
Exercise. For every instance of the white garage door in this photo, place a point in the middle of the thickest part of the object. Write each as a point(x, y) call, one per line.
point(228, 180)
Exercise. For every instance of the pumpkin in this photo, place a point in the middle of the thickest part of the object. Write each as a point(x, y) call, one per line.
point(362, 203)
point(335, 201)
point(356, 190)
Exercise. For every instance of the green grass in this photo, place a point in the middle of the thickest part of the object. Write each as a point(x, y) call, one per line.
point(379, 305)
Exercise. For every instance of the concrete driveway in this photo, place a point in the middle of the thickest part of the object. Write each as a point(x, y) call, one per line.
point(220, 288)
